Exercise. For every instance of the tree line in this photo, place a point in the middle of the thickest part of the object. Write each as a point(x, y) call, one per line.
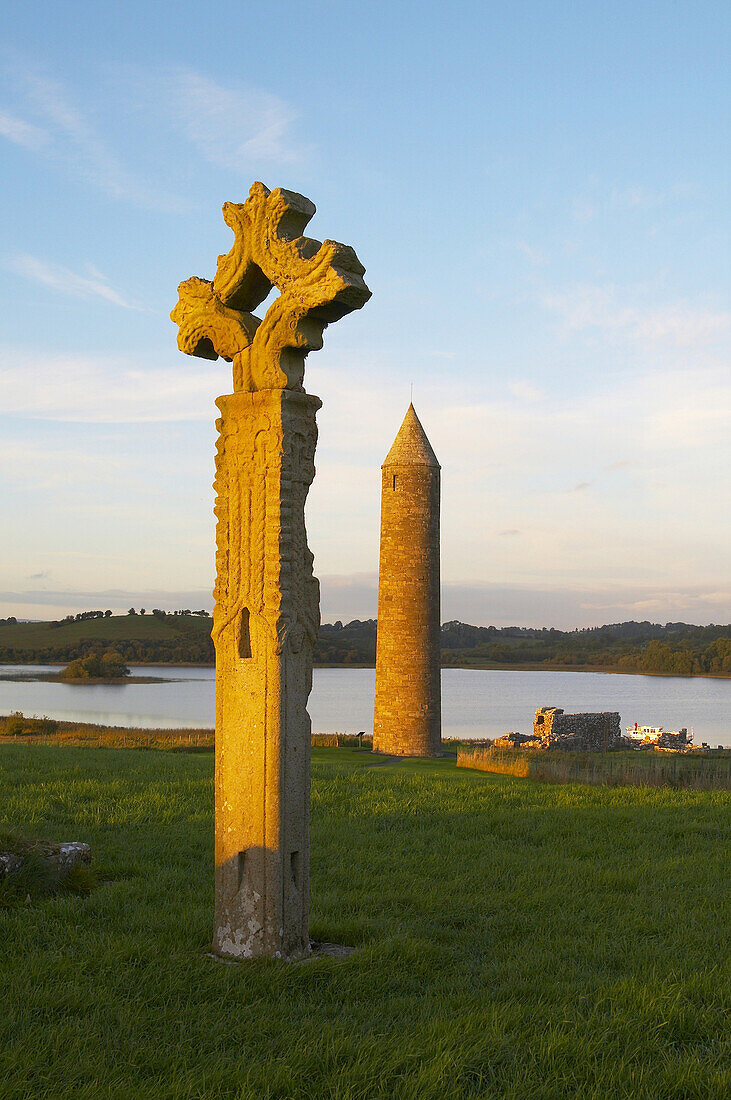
point(85, 616)
point(674, 648)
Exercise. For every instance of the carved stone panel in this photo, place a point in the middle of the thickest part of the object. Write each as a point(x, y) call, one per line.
point(265, 625)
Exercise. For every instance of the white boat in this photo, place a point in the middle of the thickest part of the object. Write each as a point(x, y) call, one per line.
point(643, 733)
point(660, 736)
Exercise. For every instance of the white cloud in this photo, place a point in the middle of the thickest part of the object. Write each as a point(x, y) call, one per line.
point(506, 466)
point(355, 596)
point(584, 211)
point(70, 139)
point(45, 604)
point(602, 201)
point(635, 197)
point(565, 606)
point(536, 256)
point(707, 605)
point(115, 390)
point(34, 465)
point(20, 132)
point(231, 125)
point(92, 285)
point(676, 324)
point(525, 391)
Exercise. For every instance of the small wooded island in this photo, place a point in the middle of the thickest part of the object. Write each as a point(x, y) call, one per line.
point(109, 667)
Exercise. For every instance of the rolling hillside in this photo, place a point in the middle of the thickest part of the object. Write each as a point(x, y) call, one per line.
point(184, 638)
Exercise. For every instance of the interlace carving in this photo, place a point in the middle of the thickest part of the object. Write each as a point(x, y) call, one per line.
point(318, 284)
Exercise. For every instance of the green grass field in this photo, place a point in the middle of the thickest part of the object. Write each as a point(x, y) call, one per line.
point(114, 629)
point(515, 940)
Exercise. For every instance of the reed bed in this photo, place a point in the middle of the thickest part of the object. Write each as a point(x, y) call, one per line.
point(341, 741)
point(16, 729)
point(47, 731)
point(692, 772)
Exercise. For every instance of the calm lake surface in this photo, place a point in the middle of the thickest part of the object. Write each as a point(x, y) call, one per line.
point(475, 703)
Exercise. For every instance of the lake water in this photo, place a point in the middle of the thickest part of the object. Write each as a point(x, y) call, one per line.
point(475, 703)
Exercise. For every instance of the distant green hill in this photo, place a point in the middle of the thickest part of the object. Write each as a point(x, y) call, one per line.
point(184, 638)
point(141, 639)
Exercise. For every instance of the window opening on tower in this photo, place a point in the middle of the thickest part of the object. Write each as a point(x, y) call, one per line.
point(394, 482)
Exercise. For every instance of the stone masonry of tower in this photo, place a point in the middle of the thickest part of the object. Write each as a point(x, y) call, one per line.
point(407, 718)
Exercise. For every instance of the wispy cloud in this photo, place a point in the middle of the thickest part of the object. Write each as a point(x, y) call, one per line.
point(584, 211)
point(63, 601)
point(508, 466)
point(679, 324)
point(525, 391)
point(635, 197)
point(21, 132)
point(91, 285)
point(353, 596)
point(694, 601)
point(601, 200)
point(37, 465)
point(232, 125)
point(67, 137)
point(116, 390)
point(536, 256)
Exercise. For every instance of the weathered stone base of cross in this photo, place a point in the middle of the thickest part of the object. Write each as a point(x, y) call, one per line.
point(265, 625)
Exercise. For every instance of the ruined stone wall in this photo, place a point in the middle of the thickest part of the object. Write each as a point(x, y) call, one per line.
point(674, 739)
point(582, 732)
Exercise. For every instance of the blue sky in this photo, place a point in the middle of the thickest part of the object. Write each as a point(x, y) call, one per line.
point(539, 193)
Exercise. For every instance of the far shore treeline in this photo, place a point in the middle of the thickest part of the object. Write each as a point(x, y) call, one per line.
point(183, 637)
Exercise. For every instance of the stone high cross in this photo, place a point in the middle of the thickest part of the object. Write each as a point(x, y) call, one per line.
point(267, 609)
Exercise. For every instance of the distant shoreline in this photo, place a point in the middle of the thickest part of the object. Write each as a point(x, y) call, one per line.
point(110, 681)
point(184, 641)
point(484, 666)
point(608, 670)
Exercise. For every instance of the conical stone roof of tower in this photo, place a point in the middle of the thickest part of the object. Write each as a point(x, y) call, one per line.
point(411, 446)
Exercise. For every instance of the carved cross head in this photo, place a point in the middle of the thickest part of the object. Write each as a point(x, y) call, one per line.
point(318, 283)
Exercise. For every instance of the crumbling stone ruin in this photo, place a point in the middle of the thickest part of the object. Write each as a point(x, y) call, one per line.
point(582, 732)
point(515, 741)
point(674, 739)
point(586, 732)
point(267, 601)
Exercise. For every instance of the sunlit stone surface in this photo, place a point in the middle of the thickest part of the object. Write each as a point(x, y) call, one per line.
point(408, 715)
point(267, 601)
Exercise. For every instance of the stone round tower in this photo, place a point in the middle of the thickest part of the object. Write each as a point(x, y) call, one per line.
point(408, 709)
